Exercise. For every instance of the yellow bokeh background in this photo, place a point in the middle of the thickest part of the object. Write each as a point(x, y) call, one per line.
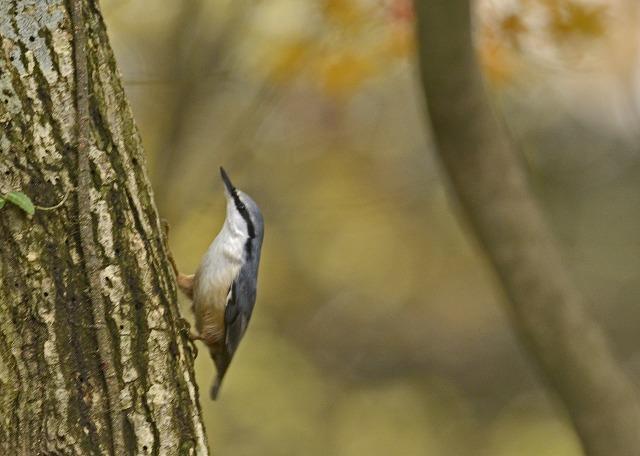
point(379, 328)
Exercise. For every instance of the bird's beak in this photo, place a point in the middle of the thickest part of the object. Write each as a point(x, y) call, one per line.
point(227, 182)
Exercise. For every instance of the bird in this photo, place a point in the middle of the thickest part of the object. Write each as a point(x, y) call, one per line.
point(223, 290)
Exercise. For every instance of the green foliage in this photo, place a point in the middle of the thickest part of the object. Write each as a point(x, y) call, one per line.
point(19, 199)
point(24, 202)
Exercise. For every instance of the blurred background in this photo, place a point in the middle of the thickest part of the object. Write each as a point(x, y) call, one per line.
point(379, 328)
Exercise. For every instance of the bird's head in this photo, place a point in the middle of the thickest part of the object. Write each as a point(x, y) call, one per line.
point(243, 214)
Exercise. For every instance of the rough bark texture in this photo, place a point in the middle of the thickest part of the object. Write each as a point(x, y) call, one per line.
point(546, 308)
point(53, 387)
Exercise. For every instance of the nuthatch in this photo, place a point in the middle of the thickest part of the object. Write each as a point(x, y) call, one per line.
point(223, 289)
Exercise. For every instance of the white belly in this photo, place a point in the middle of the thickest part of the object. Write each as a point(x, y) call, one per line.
point(219, 268)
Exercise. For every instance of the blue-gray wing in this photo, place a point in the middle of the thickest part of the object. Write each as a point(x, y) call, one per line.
point(241, 300)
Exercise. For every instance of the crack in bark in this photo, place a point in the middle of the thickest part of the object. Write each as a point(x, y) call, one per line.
point(87, 239)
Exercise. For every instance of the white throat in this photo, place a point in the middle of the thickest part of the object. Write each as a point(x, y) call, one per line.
point(220, 266)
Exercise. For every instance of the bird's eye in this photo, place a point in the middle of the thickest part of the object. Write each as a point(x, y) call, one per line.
point(241, 207)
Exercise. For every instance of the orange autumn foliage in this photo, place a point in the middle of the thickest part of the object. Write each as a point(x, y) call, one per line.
point(361, 40)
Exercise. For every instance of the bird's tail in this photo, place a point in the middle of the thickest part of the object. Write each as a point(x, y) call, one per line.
point(215, 388)
point(221, 361)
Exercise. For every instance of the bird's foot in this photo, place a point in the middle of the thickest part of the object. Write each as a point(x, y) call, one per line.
point(195, 336)
point(184, 328)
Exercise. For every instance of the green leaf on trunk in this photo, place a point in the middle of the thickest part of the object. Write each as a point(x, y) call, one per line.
point(2, 201)
point(22, 201)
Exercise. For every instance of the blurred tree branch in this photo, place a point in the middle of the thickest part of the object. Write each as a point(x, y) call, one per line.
point(190, 70)
point(547, 310)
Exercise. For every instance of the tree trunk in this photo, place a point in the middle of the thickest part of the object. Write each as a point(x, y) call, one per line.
point(93, 359)
point(547, 310)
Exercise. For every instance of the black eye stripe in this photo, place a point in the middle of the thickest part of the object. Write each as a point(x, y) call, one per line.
point(245, 215)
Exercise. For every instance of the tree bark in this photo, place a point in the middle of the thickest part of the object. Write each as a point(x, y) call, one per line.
point(547, 310)
point(93, 359)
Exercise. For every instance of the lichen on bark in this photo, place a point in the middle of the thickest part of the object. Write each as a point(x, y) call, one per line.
point(52, 383)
